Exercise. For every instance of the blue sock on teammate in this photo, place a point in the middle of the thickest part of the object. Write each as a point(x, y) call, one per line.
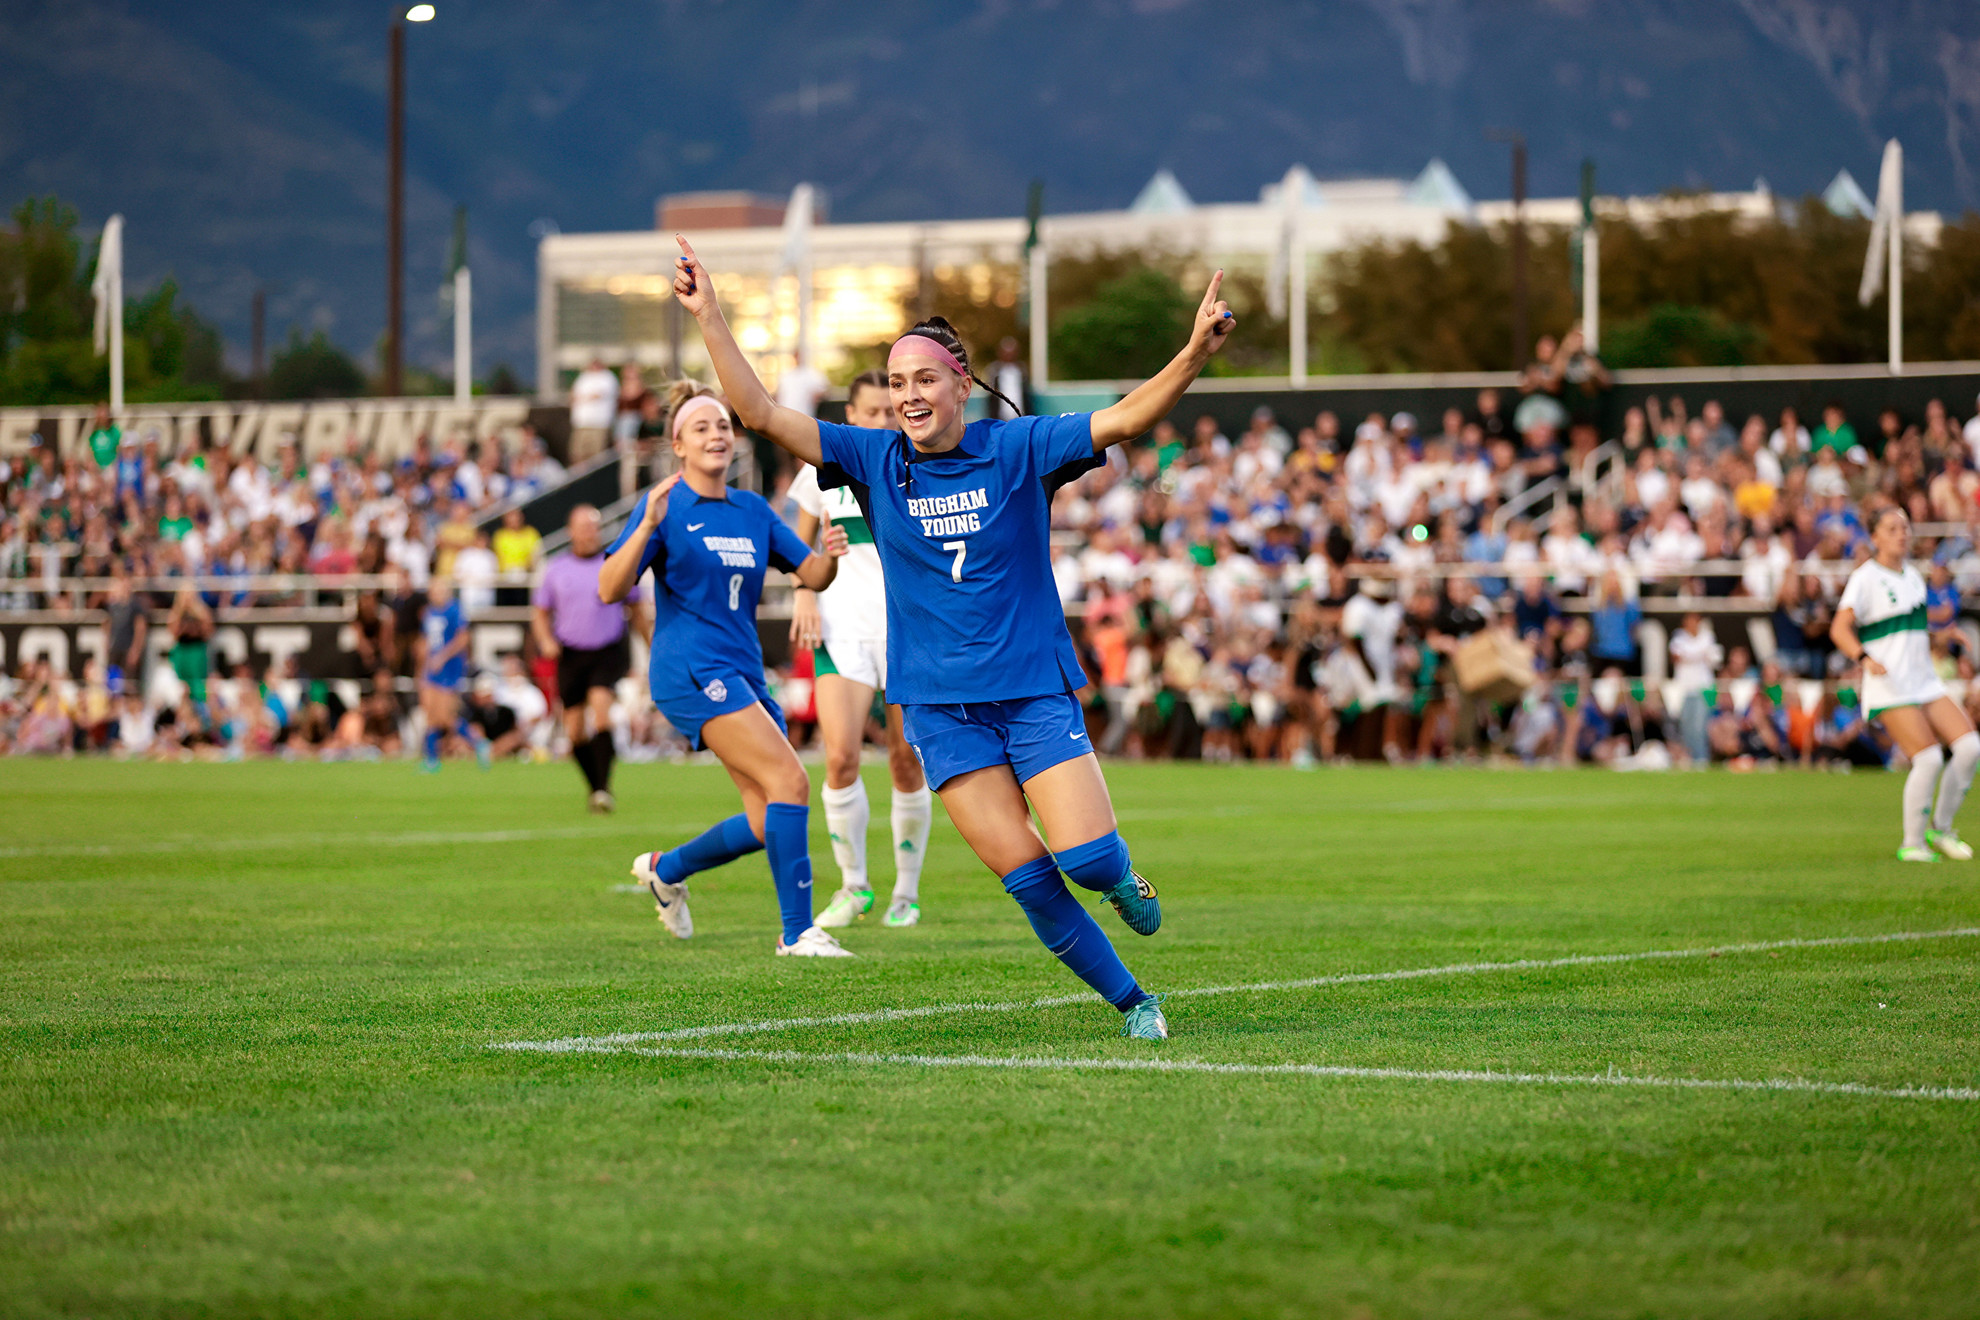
point(716, 846)
point(787, 838)
point(1071, 934)
point(433, 746)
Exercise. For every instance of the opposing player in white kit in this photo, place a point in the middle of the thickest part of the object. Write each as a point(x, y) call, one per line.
point(1880, 620)
point(846, 627)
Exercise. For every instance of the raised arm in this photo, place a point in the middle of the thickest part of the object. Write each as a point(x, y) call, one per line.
point(620, 571)
point(792, 431)
point(1152, 400)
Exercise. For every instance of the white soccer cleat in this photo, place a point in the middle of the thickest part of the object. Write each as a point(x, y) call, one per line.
point(600, 802)
point(1917, 855)
point(1950, 844)
point(672, 900)
point(846, 907)
point(814, 943)
point(902, 912)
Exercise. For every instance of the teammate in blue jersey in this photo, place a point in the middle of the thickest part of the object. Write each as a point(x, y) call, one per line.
point(442, 655)
point(977, 650)
point(707, 547)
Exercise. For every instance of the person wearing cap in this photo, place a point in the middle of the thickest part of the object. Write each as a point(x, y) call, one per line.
point(1266, 427)
point(978, 653)
point(1403, 427)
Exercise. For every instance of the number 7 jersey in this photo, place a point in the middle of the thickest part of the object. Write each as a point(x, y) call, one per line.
point(964, 536)
point(708, 559)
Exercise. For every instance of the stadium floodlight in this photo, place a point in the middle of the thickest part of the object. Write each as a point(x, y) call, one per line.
point(395, 193)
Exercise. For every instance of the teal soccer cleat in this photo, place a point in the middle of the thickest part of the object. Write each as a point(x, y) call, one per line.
point(1145, 1021)
point(1134, 898)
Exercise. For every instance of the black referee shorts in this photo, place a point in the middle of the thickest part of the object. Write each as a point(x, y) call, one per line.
point(580, 669)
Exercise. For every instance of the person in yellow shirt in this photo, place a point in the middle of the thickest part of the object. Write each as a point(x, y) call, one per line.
point(517, 545)
point(1753, 497)
point(454, 535)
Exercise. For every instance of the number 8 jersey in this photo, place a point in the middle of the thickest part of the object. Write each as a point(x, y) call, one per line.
point(708, 558)
point(964, 536)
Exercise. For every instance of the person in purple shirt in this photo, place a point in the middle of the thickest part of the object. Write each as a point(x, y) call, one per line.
point(587, 639)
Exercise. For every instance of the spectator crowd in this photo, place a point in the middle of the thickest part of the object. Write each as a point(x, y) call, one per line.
point(1307, 593)
point(1304, 591)
point(118, 524)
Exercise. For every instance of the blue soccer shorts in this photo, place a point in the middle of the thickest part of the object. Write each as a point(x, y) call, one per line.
point(688, 708)
point(1029, 734)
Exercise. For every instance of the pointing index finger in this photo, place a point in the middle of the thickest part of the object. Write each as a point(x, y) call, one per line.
point(1210, 294)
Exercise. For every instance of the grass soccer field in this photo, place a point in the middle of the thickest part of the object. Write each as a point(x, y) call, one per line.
point(250, 1012)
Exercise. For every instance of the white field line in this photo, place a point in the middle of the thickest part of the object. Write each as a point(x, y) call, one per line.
point(620, 1040)
point(415, 839)
point(1392, 806)
point(1287, 1069)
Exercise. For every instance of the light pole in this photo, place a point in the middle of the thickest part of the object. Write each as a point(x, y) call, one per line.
point(395, 197)
point(1518, 140)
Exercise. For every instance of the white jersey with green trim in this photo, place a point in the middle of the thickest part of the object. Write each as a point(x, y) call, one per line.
point(854, 607)
point(1891, 624)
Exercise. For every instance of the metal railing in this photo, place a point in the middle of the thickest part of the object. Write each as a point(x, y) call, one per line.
point(351, 585)
point(1526, 499)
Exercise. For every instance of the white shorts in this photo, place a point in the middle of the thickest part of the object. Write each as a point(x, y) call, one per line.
point(862, 659)
point(1883, 691)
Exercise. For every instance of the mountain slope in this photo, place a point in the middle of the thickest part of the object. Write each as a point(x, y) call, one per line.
point(244, 142)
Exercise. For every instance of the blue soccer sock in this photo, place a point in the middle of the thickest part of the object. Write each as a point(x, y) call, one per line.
point(433, 744)
point(468, 732)
point(787, 838)
point(1072, 935)
point(1099, 865)
point(713, 847)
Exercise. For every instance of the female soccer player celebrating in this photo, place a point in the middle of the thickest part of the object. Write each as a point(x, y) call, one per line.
point(708, 547)
point(846, 627)
point(1880, 621)
point(977, 650)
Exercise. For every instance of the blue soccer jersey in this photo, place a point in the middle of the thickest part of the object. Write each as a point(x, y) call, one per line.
point(708, 559)
point(440, 625)
point(972, 611)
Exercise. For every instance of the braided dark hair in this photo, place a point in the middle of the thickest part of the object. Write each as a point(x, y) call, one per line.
point(938, 329)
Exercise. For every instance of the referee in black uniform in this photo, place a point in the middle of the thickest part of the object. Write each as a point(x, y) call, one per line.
point(587, 638)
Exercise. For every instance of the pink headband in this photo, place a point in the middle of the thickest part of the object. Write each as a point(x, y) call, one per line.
point(910, 344)
point(681, 413)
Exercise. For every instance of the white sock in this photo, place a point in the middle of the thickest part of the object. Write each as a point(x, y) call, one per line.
point(913, 813)
point(1918, 786)
point(846, 815)
point(1957, 779)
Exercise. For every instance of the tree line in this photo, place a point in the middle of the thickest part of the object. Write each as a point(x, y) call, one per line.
point(1707, 288)
point(171, 354)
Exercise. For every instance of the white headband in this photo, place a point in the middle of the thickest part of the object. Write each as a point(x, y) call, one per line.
point(681, 413)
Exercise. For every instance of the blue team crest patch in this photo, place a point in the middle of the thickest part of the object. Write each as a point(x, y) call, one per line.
point(716, 690)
